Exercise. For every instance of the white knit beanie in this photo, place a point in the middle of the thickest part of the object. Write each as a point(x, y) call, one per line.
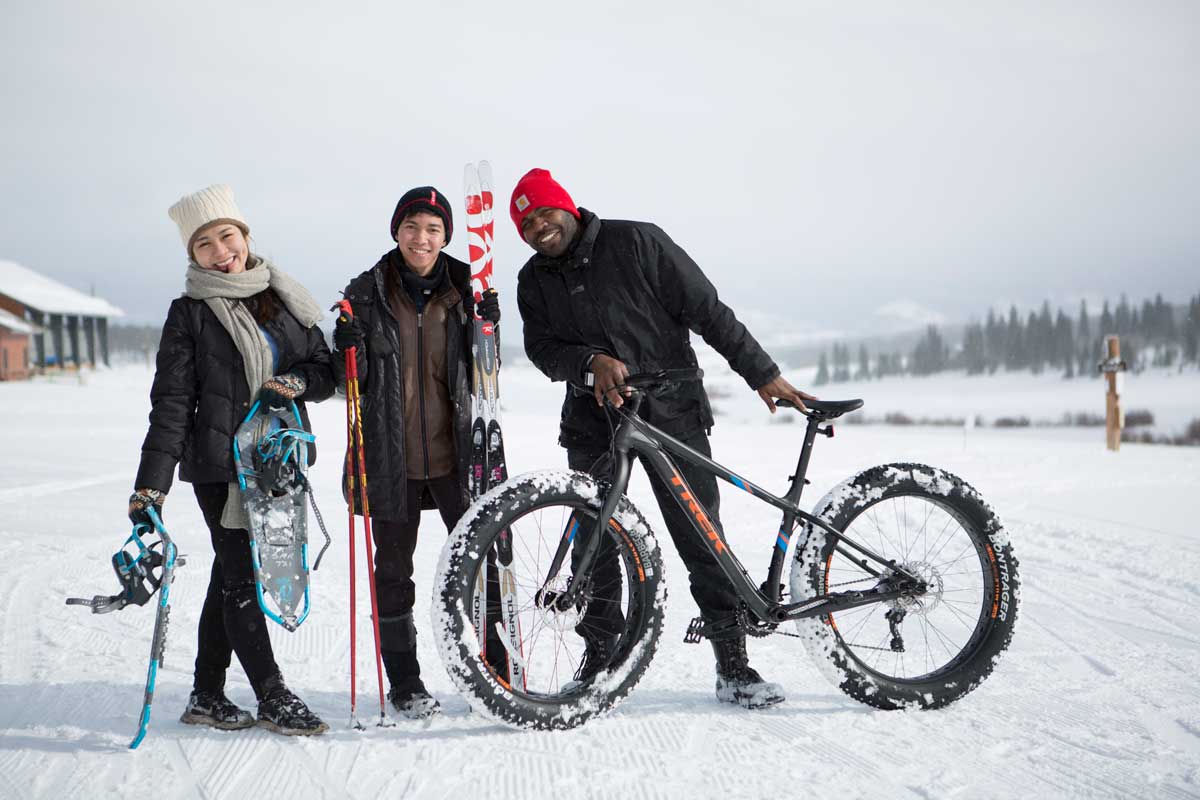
point(197, 210)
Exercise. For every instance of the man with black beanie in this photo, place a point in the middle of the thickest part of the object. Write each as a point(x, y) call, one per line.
point(611, 298)
point(411, 328)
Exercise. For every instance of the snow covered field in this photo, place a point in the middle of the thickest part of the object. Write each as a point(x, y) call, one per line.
point(1098, 696)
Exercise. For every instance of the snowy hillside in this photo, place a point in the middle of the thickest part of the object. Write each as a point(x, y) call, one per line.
point(1096, 698)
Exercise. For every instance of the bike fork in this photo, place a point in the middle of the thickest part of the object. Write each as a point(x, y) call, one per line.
point(590, 543)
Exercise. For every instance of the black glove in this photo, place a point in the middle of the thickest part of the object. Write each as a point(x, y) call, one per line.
point(140, 501)
point(281, 390)
point(488, 306)
point(347, 333)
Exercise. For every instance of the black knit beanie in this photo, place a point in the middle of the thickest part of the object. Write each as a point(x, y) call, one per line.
point(423, 198)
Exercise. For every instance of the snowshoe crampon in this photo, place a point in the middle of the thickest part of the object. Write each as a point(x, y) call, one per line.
point(270, 450)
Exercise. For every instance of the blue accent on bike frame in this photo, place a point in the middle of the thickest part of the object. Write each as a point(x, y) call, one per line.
point(782, 542)
point(739, 483)
point(574, 528)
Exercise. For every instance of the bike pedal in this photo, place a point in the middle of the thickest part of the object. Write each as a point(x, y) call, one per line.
point(695, 631)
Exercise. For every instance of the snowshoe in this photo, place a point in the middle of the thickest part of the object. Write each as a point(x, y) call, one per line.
point(215, 710)
point(270, 450)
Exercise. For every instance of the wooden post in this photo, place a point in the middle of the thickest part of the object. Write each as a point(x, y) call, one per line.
point(1114, 417)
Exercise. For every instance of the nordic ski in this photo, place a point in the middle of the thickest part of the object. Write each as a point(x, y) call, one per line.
point(488, 466)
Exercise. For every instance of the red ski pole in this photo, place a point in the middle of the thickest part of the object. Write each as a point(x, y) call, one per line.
point(351, 392)
point(353, 398)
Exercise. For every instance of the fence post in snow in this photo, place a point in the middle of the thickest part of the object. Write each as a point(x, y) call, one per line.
point(1112, 366)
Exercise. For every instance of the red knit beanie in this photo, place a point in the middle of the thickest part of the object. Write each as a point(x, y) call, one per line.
point(537, 189)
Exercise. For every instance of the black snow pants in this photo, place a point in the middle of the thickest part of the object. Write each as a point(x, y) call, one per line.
point(231, 621)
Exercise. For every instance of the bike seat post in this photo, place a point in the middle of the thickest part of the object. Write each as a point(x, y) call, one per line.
point(810, 436)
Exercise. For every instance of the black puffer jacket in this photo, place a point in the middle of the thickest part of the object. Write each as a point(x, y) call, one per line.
point(381, 378)
point(200, 397)
point(626, 290)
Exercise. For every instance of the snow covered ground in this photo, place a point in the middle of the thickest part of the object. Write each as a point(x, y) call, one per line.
point(1098, 696)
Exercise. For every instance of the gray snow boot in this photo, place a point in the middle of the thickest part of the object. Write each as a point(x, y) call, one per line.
point(737, 681)
point(283, 712)
point(215, 710)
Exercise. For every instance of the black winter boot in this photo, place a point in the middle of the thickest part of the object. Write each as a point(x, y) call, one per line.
point(597, 654)
point(398, 646)
point(283, 712)
point(737, 681)
point(215, 710)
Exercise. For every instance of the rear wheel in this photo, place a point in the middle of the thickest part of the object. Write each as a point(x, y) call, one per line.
point(926, 649)
point(620, 607)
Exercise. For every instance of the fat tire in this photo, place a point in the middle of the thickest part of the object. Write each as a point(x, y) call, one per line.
point(1000, 593)
point(462, 556)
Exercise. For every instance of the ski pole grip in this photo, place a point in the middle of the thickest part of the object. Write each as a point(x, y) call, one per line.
point(343, 306)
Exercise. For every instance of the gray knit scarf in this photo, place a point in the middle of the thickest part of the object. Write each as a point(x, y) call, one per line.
point(221, 292)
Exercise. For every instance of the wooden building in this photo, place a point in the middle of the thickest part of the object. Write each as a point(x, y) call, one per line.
point(47, 324)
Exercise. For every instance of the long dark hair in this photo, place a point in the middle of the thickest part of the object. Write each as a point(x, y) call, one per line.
point(265, 305)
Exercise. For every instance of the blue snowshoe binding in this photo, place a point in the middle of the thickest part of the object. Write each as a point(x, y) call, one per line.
point(270, 451)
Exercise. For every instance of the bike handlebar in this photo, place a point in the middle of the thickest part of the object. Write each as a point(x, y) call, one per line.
point(647, 380)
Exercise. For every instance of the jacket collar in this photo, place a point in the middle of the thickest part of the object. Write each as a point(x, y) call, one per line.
point(458, 273)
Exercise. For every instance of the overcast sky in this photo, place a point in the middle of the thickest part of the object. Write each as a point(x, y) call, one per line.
point(828, 164)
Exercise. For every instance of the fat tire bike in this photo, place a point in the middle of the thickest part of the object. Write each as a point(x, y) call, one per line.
point(902, 582)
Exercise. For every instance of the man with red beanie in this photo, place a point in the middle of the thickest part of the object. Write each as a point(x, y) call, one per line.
point(612, 298)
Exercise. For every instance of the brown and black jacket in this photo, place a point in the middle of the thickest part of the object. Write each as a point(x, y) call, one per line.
point(414, 375)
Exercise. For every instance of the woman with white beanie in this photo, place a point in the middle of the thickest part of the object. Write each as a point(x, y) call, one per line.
point(243, 330)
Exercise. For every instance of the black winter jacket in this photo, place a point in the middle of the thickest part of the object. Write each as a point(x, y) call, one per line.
point(381, 385)
point(626, 290)
point(199, 396)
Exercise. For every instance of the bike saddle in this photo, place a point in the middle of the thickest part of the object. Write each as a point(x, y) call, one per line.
point(824, 409)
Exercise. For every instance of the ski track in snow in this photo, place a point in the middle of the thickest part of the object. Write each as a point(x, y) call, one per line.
point(1096, 698)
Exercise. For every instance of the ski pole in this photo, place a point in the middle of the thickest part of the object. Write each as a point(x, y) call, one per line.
point(351, 392)
point(352, 385)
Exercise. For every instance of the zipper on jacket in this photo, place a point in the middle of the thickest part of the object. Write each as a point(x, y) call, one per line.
point(421, 387)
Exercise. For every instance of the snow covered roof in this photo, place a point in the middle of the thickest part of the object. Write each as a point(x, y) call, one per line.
point(15, 324)
point(44, 294)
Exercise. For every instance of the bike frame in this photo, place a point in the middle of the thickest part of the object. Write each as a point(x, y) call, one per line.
point(636, 437)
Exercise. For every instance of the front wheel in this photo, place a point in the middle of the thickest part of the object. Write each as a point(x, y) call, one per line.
point(527, 666)
point(921, 650)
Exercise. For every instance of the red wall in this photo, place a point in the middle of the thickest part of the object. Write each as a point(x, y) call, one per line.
point(14, 355)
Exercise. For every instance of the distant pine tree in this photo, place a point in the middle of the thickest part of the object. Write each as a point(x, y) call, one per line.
point(974, 352)
point(864, 365)
point(822, 371)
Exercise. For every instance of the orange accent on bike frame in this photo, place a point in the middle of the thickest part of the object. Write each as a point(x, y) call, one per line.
point(995, 582)
point(697, 512)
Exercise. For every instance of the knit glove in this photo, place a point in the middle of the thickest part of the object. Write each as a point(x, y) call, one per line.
point(488, 306)
point(347, 333)
point(281, 390)
point(139, 505)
